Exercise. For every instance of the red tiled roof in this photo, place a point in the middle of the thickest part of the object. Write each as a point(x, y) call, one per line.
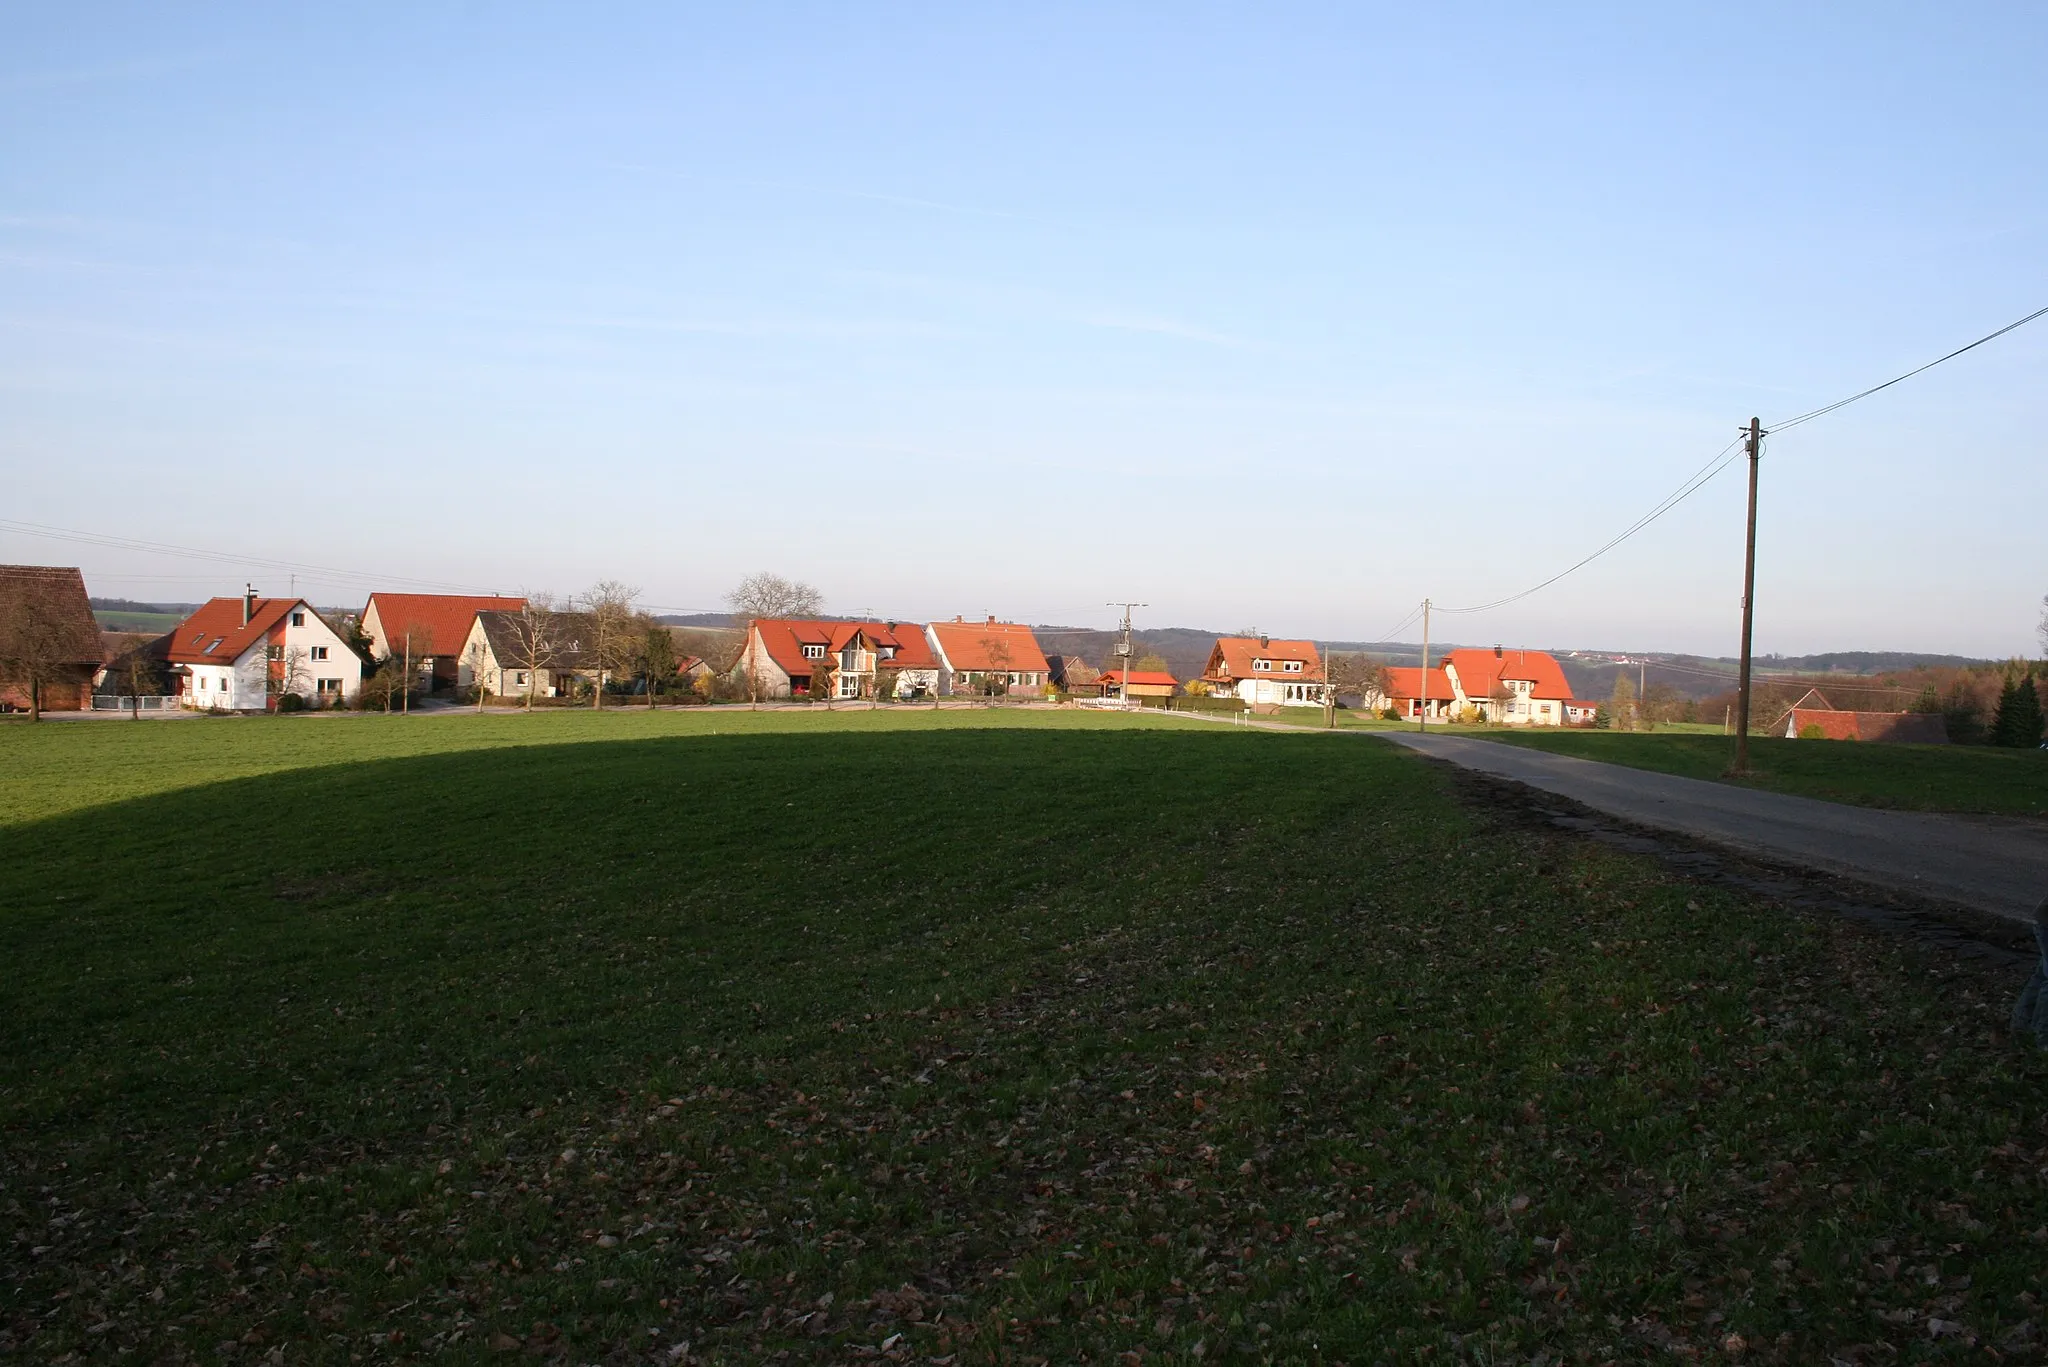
point(1405, 681)
point(446, 617)
point(1233, 655)
point(968, 646)
point(217, 635)
point(1480, 670)
point(1138, 676)
point(1900, 728)
point(784, 638)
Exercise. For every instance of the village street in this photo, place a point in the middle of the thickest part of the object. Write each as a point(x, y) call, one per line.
point(1997, 865)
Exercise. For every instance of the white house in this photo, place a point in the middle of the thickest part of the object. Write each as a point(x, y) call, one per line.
point(1265, 672)
point(782, 655)
point(514, 654)
point(986, 658)
point(1510, 687)
point(243, 654)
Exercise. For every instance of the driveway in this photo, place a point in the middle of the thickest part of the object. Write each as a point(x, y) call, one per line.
point(1992, 864)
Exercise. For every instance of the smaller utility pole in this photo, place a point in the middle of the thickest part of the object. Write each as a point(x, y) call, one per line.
point(1329, 692)
point(1123, 649)
point(1755, 441)
point(1422, 722)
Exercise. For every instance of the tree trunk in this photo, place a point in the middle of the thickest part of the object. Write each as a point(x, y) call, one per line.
point(35, 700)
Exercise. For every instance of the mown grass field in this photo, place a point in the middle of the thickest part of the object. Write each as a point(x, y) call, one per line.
point(958, 1037)
point(1929, 778)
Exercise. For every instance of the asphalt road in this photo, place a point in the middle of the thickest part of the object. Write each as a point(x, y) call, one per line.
point(1992, 864)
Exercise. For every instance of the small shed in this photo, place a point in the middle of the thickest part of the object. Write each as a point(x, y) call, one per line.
point(1137, 683)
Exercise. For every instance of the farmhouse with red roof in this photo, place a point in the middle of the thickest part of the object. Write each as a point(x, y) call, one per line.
point(244, 654)
point(1265, 672)
point(1509, 687)
point(783, 656)
point(439, 624)
point(988, 658)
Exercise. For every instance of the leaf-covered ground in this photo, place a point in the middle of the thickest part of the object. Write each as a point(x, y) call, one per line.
point(956, 1039)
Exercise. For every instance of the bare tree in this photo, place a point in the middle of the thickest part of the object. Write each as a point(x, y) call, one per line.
point(533, 640)
point(136, 676)
point(412, 642)
point(478, 658)
point(657, 656)
point(610, 605)
point(290, 673)
point(770, 595)
point(996, 678)
point(39, 643)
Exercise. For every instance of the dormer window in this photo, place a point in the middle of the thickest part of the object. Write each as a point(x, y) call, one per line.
point(1262, 666)
point(814, 652)
point(1290, 666)
point(888, 652)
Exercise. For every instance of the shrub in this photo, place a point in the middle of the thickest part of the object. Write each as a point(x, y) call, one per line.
point(1812, 731)
point(292, 702)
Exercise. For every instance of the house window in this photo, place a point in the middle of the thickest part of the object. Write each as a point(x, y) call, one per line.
point(888, 652)
point(1290, 666)
point(520, 678)
point(1261, 666)
point(298, 619)
point(814, 652)
point(202, 683)
point(319, 652)
point(327, 687)
point(273, 652)
point(216, 644)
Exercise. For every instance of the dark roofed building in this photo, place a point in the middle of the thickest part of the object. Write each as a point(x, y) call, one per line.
point(49, 643)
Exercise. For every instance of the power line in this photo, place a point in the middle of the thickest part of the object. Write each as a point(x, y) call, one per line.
point(1826, 409)
point(1726, 457)
point(1693, 484)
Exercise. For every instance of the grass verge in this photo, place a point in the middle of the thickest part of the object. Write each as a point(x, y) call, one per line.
point(1928, 778)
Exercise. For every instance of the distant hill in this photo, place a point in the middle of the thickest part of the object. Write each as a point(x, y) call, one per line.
point(697, 619)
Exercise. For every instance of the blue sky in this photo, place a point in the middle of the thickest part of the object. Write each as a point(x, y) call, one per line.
point(1283, 317)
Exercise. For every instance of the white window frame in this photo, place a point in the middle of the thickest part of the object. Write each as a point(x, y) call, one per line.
point(319, 652)
point(814, 652)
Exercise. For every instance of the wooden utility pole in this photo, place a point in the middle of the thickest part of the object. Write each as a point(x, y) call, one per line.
point(1755, 441)
point(1422, 722)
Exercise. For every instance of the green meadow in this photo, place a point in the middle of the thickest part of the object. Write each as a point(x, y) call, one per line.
point(1932, 778)
point(951, 1037)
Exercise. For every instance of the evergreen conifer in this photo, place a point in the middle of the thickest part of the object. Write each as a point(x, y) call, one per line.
point(2018, 720)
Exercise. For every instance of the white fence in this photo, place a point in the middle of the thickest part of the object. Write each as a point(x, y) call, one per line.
point(102, 702)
